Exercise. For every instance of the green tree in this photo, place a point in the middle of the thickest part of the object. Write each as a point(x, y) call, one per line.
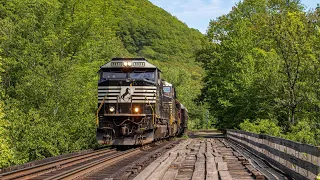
point(53, 50)
point(6, 151)
point(262, 126)
point(261, 62)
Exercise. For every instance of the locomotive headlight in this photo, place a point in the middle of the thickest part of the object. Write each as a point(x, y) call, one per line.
point(111, 109)
point(125, 63)
point(136, 109)
point(129, 63)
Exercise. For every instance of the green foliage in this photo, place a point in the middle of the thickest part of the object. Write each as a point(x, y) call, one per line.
point(262, 126)
point(51, 51)
point(261, 62)
point(6, 151)
point(304, 131)
point(185, 136)
point(157, 35)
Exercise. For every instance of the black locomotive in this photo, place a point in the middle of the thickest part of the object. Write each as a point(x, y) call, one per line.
point(136, 106)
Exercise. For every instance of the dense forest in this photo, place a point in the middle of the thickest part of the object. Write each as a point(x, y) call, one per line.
point(50, 52)
point(262, 63)
point(256, 69)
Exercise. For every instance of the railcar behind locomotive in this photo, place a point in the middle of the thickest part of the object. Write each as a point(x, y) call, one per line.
point(136, 106)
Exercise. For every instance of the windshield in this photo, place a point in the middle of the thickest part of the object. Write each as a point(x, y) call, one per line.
point(112, 75)
point(142, 75)
point(135, 75)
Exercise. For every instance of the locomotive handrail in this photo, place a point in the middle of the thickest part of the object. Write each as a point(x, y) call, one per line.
point(117, 105)
point(153, 119)
point(102, 102)
point(178, 117)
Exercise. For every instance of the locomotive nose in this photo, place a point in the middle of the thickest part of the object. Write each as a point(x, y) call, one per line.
point(104, 136)
point(100, 136)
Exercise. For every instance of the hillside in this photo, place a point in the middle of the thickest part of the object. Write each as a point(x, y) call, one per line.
point(50, 51)
point(263, 75)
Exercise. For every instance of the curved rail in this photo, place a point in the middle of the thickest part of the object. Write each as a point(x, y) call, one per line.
point(40, 169)
point(93, 166)
point(258, 163)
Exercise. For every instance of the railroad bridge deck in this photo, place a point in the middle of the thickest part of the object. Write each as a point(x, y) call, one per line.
point(205, 155)
point(236, 155)
point(211, 158)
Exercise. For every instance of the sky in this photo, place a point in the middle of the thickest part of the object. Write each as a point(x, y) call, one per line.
point(198, 13)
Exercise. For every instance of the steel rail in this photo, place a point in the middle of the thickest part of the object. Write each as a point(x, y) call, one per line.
point(257, 162)
point(43, 168)
point(94, 166)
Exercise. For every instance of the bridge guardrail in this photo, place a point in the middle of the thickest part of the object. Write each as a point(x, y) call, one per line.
point(300, 161)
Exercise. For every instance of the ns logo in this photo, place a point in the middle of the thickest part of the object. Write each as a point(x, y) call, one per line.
point(126, 94)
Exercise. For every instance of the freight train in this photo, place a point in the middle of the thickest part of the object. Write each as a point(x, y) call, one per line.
point(135, 105)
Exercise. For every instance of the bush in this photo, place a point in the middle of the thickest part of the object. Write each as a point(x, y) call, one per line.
point(262, 126)
point(303, 132)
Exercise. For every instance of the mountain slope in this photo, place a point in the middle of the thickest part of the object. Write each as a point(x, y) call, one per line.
point(50, 51)
point(150, 31)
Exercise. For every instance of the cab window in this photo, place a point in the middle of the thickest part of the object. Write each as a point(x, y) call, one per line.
point(167, 91)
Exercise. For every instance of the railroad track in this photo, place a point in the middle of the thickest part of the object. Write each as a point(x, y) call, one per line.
point(129, 167)
point(90, 163)
point(266, 169)
point(113, 164)
point(240, 160)
point(81, 169)
point(39, 169)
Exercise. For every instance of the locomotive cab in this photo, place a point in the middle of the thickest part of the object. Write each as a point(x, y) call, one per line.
point(134, 105)
point(127, 94)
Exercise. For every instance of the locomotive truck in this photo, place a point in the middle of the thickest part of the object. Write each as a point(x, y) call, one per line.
point(135, 105)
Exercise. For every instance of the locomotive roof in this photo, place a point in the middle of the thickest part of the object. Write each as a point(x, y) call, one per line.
point(135, 63)
point(165, 83)
point(183, 107)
